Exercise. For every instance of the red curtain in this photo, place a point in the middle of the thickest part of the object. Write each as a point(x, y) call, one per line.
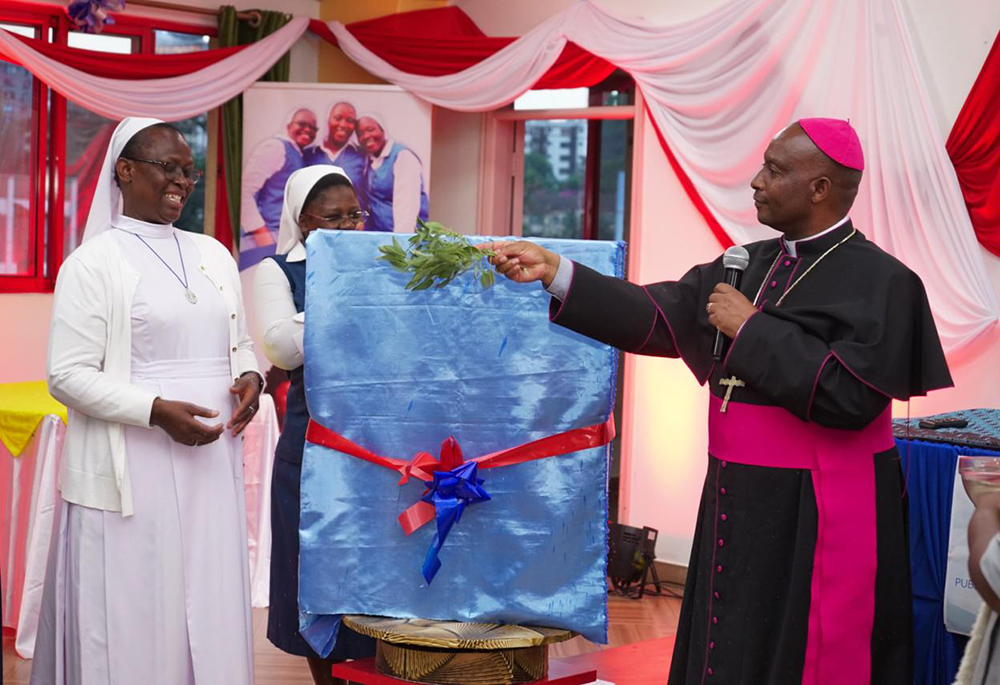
point(445, 40)
point(974, 148)
point(137, 66)
point(688, 185)
point(429, 42)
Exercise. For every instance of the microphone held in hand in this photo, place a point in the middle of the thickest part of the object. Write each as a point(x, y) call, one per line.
point(735, 262)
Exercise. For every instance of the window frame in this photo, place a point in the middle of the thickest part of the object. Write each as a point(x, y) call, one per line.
point(501, 187)
point(48, 163)
point(501, 177)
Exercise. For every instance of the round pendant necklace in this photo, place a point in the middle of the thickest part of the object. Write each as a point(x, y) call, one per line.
point(188, 293)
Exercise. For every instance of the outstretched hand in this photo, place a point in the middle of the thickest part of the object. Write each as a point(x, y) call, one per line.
point(523, 261)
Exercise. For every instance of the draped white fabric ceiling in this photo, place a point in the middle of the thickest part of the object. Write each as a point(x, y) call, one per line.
point(720, 87)
point(170, 99)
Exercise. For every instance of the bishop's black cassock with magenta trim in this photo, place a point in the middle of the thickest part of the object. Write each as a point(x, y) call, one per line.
point(800, 567)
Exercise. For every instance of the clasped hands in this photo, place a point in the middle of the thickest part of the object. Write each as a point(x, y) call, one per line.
point(179, 422)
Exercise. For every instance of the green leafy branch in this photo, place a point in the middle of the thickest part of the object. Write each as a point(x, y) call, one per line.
point(436, 256)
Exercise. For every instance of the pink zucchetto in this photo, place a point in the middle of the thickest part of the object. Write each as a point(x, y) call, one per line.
point(837, 139)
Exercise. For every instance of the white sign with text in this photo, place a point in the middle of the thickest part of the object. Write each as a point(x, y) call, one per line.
point(961, 601)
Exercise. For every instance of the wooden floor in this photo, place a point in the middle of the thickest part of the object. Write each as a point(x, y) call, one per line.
point(631, 621)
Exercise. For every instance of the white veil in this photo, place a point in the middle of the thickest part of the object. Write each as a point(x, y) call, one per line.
point(107, 196)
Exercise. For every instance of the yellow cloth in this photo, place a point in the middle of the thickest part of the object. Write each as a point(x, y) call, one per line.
point(22, 408)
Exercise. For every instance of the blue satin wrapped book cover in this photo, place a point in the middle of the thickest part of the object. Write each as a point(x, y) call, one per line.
point(396, 373)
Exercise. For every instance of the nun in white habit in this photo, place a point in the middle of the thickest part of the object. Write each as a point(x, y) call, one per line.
point(148, 579)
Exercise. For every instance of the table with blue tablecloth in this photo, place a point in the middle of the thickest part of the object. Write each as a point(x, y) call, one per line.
point(929, 459)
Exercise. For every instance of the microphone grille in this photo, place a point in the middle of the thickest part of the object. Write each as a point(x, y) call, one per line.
point(736, 257)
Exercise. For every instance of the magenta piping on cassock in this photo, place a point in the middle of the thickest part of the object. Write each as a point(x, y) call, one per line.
point(859, 378)
point(842, 465)
point(794, 269)
point(770, 274)
point(812, 395)
point(670, 328)
point(711, 583)
point(656, 315)
point(736, 337)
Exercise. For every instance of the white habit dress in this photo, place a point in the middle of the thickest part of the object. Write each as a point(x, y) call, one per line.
point(161, 597)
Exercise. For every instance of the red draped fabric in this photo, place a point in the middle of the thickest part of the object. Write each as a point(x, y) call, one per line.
point(430, 42)
point(974, 148)
point(441, 41)
point(445, 40)
point(137, 66)
point(696, 199)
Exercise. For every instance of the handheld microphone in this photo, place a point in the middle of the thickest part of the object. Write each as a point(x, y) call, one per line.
point(735, 261)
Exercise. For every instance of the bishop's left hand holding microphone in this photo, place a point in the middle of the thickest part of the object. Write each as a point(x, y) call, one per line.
point(727, 307)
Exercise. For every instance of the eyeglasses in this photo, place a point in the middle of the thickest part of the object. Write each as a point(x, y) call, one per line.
point(351, 219)
point(173, 171)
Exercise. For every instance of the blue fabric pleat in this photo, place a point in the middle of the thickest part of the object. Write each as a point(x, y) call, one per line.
point(397, 372)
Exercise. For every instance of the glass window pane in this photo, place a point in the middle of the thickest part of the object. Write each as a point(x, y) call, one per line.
point(20, 29)
point(555, 158)
point(616, 97)
point(611, 199)
point(171, 42)
point(194, 129)
point(87, 139)
point(101, 42)
point(17, 170)
point(88, 136)
point(559, 98)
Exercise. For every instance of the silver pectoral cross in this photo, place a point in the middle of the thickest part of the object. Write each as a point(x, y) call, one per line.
point(731, 383)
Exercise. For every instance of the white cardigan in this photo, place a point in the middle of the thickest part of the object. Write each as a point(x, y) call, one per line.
point(90, 363)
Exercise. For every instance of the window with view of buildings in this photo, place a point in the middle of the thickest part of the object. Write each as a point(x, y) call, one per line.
point(576, 170)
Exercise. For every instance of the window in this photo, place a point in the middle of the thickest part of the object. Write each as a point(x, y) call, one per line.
point(575, 169)
point(53, 149)
point(194, 129)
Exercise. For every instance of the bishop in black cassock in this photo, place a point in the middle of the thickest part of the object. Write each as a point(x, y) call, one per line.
point(800, 570)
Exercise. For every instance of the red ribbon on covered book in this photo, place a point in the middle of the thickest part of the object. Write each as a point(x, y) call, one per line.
point(423, 465)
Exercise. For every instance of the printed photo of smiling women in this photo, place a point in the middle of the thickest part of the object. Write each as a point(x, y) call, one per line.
point(379, 135)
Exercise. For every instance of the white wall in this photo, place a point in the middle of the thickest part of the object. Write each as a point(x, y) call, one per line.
point(455, 138)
